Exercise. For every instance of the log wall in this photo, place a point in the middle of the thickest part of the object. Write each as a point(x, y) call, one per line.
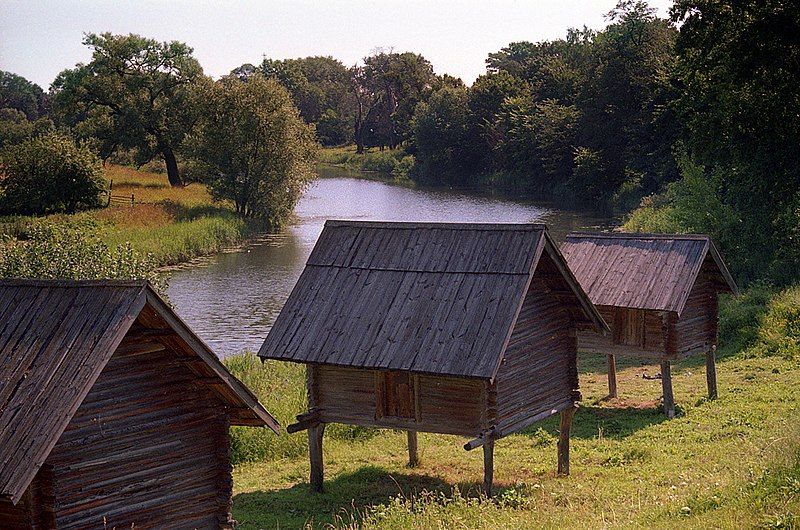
point(148, 448)
point(445, 404)
point(539, 371)
point(35, 510)
point(696, 329)
point(655, 335)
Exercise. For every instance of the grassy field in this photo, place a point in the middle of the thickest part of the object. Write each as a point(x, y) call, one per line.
point(729, 463)
point(172, 225)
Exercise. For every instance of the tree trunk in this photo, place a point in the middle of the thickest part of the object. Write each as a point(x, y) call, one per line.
point(172, 167)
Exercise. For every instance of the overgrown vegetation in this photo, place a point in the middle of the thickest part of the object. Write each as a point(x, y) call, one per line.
point(388, 162)
point(729, 463)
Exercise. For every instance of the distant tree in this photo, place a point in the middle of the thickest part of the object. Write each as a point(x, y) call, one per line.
point(254, 147)
point(441, 134)
point(49, 173)
point(139, 91)
point(16, 128)
point(18, 93)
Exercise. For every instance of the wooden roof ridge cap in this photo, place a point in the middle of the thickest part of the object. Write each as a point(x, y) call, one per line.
point(66, 283)
point(590, 309)
point(210, 358)
point(417, 270)
point(636, 235)
point(334, 223)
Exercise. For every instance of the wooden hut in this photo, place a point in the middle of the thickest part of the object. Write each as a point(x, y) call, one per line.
point(464, 329)
point(659, 295)
point(113, 414)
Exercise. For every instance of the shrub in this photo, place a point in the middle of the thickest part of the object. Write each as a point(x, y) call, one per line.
point(63, 250)
point(49, 173)
point(779, 333)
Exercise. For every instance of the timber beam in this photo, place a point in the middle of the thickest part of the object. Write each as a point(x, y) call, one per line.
point(307, 420)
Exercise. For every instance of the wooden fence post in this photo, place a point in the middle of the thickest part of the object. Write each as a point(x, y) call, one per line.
point(612, 376)
point(563, 440)
point(315, 454)
point(666, 386)
point(413, 456)
point(711, 372)
point(488, 467)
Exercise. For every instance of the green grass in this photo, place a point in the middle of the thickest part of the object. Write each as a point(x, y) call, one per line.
point(390, 162)
point(729, 463)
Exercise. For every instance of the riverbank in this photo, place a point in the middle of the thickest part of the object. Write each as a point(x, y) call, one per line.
point(388, 163)
point(163, 226)
point(729, 463)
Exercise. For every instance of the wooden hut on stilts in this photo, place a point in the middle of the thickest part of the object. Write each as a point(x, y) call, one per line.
point(658, 293)
point(466, 329)
point(113, 414)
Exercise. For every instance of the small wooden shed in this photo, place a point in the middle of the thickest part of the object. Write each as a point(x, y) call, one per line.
point(464, 329)
point(658, 293)
point(113, 414)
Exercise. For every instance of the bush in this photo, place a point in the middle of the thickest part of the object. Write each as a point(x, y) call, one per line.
point(779, 333)
point(47, 174)
point(62, 250)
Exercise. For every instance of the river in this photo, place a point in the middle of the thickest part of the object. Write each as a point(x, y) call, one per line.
point(232, 299)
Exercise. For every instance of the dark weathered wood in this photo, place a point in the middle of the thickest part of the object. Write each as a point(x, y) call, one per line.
point(666, 385)
point(563, 440)
point(488, 467)
point(304, 421)
point(612, 375)
point(413, 454)
point(315, 455)
point(711, 372)
point(105, 421)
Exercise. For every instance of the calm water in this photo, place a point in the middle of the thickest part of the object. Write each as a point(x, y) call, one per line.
point(232, 299)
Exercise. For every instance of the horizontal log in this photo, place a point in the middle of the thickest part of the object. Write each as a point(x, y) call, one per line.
point(484, 438)
point(304, 421)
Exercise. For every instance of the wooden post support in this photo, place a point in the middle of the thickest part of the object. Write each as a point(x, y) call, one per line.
point(413, 457)
point(315, 453)
point(711, 372)
point(563, 440)
point(488, 467)
point(612, 376)
point(666, 385)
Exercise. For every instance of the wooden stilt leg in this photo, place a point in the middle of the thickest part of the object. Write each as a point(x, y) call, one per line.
point(413, 457)
point(711, 372)
point(563, 440)
point(488, 467)
point(612, 376)
point(666, 385)
point(315, 452)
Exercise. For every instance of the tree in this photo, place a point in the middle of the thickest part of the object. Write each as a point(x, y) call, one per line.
point(18, 93)
point(254, 147)
point(140, 90)
point(50, 173)
point(16, 128)
point(441, 134)
point(738, 67)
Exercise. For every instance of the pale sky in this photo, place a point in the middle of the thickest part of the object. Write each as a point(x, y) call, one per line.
point(38, 39)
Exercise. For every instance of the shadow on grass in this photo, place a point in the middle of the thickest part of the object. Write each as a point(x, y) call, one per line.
point(608, 422)
point(345, 498)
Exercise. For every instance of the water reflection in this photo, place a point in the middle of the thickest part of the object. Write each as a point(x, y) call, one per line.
point(232, 299)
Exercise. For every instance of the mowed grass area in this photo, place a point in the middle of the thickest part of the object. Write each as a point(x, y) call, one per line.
point(729, 463)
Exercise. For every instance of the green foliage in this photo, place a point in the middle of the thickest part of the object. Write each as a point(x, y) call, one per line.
point(19, 94)
point(254, 148)
point(49, 173)
point(779, 330)
point(388, 162)
point(135, 93)
point(15, 128)
point(71, 250)
point(738, 69)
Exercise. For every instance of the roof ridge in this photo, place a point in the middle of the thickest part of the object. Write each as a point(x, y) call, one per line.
point(448, 225)
point(43, 282)
point(638, 235)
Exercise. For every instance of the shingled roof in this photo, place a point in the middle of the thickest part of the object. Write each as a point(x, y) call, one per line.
point(642, 271)
point(423, 297)
point(55, 339)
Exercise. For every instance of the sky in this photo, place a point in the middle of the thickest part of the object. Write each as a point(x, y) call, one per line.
point(38, 39)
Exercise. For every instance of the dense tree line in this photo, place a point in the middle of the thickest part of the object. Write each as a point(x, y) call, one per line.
point(599, 117)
